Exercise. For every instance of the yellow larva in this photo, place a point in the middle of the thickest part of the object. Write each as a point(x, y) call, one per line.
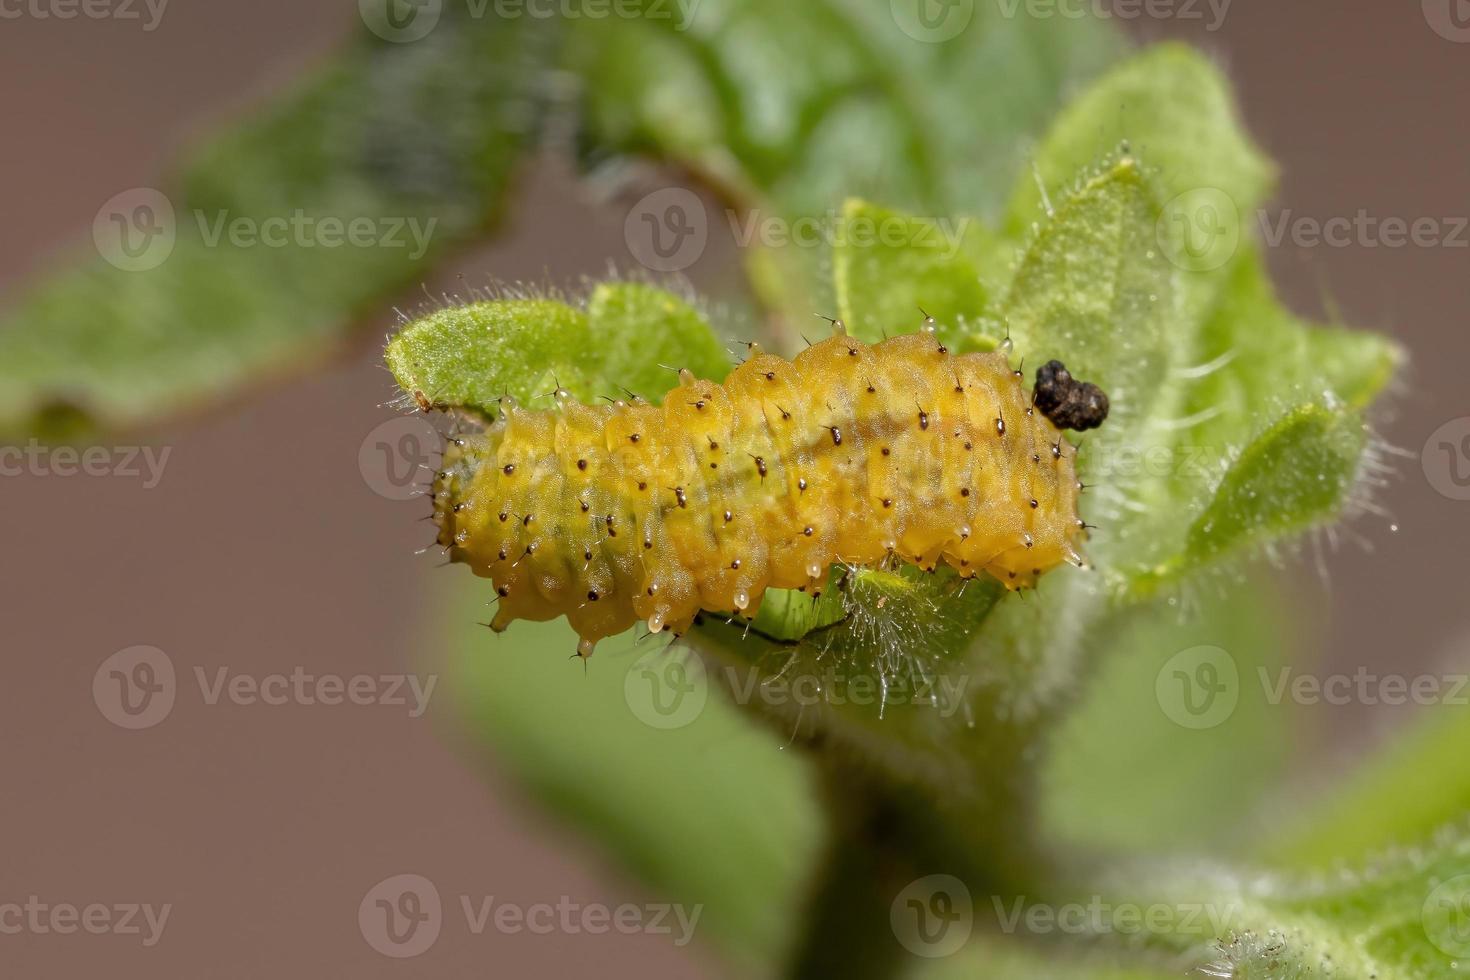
point(612, 514)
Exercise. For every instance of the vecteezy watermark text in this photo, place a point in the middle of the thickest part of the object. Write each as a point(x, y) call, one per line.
point(148, 12)
point(41, 918)
point(669, 690)
point(405, 21)
point(667, 230)
point(1364, 229)
point(1200, 687)
point(137, 686)
point(1097, 915)
point(305, 230)
point(403, 915)
point(136, 230)
point(1213, 12)
point(125, 462)
point(1364, 686)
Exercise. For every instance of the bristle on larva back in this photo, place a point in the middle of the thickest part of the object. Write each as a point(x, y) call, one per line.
point(612, 514)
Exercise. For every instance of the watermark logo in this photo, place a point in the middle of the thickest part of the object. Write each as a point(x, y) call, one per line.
point(1128, 461)
point(1213, 12)
point(932, 21)
point(933, 916)
point(667, 230)
point(135, 687)
point(398, 456)
point(942, 693)
point(1097, 915)
point(1446, 459)
point(404, 21)
point(1199, 230)
point(1450, 19)
point(135, 230)
point(666, 689)
point(1446, 916)
point(1199, 687)
point(400, 21)
point(303, 229)
point(401, 916)
point(941, 235)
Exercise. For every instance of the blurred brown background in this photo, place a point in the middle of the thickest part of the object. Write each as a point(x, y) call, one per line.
point(264, 826)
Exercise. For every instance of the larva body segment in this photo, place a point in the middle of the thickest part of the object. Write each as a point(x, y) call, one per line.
point(611, 514)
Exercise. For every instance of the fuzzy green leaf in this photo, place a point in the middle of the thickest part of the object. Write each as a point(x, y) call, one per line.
point(889, 266)
point(1402, 916)
point(1170, 106)
point(997, 960)
point(468, 356)
point(882, 668)
point(1255, 367)
point(1093, 288)
point(1296, 475)
point(1173, 314)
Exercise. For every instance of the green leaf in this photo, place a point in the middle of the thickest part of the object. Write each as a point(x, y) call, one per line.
point(1297, 475)
point(628, 336)
point(1257, 369)
point(1186, 335)
point(703, 808)
point(412, 142)
point(1172, 108)
point(1000, 960)
point(790, 108)
point(1398, 917)
point(1092, 287)
point(1173, 746)
point(1414, 785)
point(879, 668)
point(928, 694)
point(888, 266)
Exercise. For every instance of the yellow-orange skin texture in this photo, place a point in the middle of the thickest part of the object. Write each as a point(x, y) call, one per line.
point(612, 514)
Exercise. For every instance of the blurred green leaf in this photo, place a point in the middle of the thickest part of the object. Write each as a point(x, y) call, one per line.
point(468, 356)
point(1156, 760)
point(413, 144)
point(705, 809)
point(789, 109)
point(888, 266)
point(1414, 785)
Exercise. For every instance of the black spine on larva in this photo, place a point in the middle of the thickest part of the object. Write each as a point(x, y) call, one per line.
point(1069, 403)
